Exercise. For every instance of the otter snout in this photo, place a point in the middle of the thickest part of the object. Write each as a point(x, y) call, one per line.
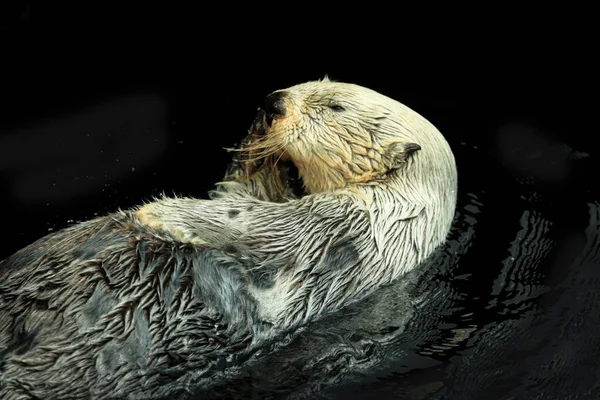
point(275, 106)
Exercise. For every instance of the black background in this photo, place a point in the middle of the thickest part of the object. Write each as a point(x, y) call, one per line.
point(104, 108)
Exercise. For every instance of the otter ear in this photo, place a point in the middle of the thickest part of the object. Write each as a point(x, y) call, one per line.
point(397, 153)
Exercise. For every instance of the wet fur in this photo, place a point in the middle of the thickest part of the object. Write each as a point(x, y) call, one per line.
point(108, 305)
point(121, 304)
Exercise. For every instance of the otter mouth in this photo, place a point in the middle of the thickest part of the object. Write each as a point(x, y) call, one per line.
point(281, 164)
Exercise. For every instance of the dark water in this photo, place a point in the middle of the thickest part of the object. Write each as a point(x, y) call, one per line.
point(507, 309)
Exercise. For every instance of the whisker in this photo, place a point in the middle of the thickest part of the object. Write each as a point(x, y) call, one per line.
point(275, 177)
point(276, 161)
point(263, 151)
point(260, 144)
point(260, 155)
point(260, 149)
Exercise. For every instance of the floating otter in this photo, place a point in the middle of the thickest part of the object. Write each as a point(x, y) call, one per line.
point(337, 190)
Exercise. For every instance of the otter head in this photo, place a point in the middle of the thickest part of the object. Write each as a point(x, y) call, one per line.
point(337, 135)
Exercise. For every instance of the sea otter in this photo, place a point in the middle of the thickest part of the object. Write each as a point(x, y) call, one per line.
point(336, 191)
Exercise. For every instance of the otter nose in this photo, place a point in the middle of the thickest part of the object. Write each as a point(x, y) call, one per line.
point(275, 106)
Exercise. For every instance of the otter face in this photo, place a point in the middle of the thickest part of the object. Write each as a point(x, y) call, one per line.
point(336, 135)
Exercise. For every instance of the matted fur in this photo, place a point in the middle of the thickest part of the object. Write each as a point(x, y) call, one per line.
point(120, 304)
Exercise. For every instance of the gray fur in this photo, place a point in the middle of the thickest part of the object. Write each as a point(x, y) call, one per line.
point(139, 311)
point(98, 305)
point(341, 254)
point(394, 220)
point(120, 305)
point(233, 213)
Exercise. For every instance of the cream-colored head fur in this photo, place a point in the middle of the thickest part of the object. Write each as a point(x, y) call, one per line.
point(341, 135)
point(381, 183)
point(183, 282)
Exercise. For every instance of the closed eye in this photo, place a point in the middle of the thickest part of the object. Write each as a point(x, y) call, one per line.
point(337, 107)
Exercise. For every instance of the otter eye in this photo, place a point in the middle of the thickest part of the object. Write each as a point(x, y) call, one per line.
point(336, 107)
